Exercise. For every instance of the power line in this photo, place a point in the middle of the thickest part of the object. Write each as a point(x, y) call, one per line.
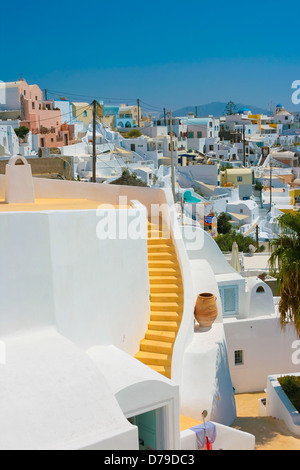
point(64, 114)
point(159, 108)
point(62, 93)
point(126, 100)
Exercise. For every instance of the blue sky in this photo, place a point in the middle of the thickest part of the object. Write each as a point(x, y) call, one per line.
point(167, 53)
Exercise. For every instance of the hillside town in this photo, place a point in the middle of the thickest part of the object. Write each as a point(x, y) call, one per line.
point(103, 343)
point(242, 164)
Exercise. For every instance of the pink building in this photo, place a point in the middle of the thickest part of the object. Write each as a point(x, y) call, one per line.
point(38, 114)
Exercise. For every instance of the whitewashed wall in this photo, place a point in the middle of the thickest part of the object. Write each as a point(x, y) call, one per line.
point(266, 349)
point(279, 406)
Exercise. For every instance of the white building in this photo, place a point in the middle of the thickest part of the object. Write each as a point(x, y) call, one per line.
point(9, 142)
point(256, 344)
point(102, 347)
point(242, 211)
point(154, 149)
point(282, 116)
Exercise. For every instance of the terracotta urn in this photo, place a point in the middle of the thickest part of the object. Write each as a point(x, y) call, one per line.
point(206, 310)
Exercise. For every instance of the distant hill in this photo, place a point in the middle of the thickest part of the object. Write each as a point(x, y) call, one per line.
point(216, 109)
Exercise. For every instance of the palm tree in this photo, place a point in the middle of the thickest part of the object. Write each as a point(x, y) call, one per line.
point(285, 265)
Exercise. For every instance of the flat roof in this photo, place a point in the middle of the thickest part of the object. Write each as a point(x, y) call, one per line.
point(55, 205)
point(238, 216)
point(238, 170)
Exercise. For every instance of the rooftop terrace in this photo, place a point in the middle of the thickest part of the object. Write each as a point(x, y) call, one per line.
point(56, 205)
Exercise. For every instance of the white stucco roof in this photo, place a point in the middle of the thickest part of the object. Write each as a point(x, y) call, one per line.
point(247, 202)
point(52, 396)
point(238, 216)
point(135, 385)
point(110, 360)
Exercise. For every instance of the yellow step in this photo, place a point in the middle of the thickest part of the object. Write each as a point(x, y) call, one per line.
point(162, 256)
point(158, 335)
point(164, 325)
point(163, 279)
point(154, 358)
point(164, 271)
point(166, 316)
point(166, 306)
point(158, 237)
point(161, 347)
point(163, 370)
point(166, 242)
point(161, 248)
point(162, 263)
point(163, 288)
point(167, 297)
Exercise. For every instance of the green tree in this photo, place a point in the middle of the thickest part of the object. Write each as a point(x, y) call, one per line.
point(284, 264)
point(224, 225)
point(128, 179)
point(22, 132)
point(225, 242)
point(133, 134)
point(258, 186)
point(230, 108)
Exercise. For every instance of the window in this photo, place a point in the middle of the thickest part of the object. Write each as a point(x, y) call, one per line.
point(241, 211)
point(239, 357)
point(230, 299)
point(84, 113)
point(240, 179)
point(260, 290)
point(199, 135)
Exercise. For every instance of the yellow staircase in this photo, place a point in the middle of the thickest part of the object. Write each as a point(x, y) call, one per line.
point(166, 289)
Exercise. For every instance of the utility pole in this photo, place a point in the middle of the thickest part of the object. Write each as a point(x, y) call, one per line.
point(244, 145)
point(165, 120)
point(196, 111)
point(270, 184)
point(94, 177)
point(138, 103)
point(46, 95)
point(172, 159)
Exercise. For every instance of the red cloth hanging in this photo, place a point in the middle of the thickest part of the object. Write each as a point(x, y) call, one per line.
point(208, 444)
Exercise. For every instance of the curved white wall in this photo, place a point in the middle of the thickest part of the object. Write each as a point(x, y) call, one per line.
point(26, 289)
point(259, 298)
point(206, 382)
point(56, 271)
point(101, 287)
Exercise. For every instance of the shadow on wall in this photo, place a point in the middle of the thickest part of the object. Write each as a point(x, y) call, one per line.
point(221, 412)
